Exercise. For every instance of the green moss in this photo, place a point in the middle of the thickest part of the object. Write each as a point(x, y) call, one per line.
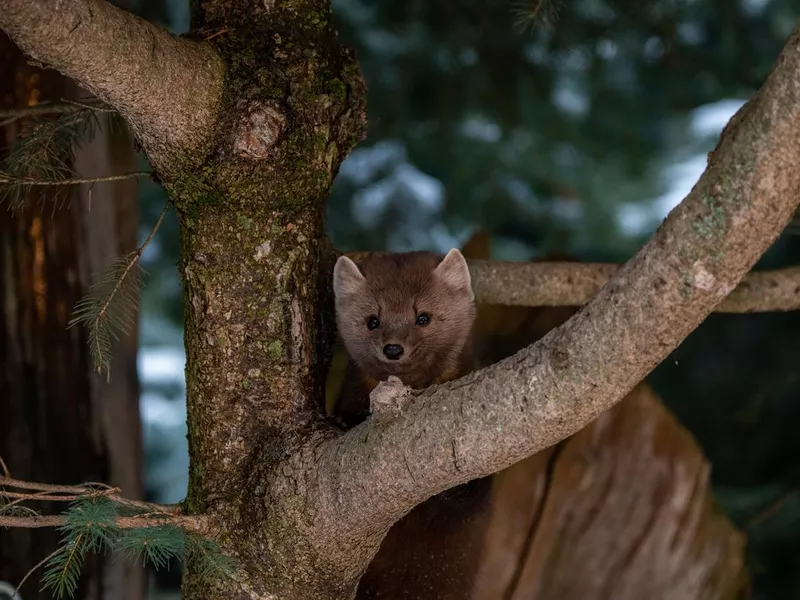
point(245, 222)
point(337, 89)
point(292, 62)
point(275, 350)
point(191, 188)
point(712, 223)
point(245, 384)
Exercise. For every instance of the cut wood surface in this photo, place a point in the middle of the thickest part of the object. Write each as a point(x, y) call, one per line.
point(623, 509)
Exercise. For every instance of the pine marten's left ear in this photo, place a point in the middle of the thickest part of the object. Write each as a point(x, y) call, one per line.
point(453, 271)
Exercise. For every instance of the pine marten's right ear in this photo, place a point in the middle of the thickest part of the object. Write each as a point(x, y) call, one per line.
point(453, 270)
point(347, 279)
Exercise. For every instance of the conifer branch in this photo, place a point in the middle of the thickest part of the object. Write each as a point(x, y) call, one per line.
point(98, 518)
point(108, 310)
point(198, 524)
point(8, 481)
point(46, 491)
point(95, 523)
point(11, 180)
point(43, 154)
point(50, 108)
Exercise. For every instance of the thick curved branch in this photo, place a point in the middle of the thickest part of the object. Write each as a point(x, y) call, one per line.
point(168, 88)
point(492, 418)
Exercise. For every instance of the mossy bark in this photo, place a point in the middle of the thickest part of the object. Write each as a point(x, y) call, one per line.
point(255, 266)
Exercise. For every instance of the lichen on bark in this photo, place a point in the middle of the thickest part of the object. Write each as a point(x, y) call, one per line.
point(255, 265)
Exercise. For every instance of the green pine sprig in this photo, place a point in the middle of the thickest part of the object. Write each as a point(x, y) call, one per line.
point(109, 309)
point(44, 151)
point(529, 14)
point(155, 545)
point(42, 155)
point(91, 526)
point(64, 567)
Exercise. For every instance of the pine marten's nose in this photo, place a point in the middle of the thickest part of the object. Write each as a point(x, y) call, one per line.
point(393, 351)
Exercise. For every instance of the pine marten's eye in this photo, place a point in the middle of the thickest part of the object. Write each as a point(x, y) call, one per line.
point(423, 319)
point(373, 322)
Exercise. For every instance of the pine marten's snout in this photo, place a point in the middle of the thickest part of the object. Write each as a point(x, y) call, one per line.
point(393, 351)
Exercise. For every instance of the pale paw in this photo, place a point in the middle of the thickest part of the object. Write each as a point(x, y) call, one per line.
point(388, 397)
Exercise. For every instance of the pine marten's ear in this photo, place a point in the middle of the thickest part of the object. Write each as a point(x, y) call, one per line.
point(453, 271)
point(347, 279)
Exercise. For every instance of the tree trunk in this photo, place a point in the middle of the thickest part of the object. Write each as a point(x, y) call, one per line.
point(59, 421)
point(255, 266)
point(622, 509)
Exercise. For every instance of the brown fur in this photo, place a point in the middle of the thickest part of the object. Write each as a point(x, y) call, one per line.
point(396, 288)
point(434, 550)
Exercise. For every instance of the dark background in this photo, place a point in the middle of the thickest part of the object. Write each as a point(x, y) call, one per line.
point(576, 131)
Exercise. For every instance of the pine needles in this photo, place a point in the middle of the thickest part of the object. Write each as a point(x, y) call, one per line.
point(108, 311)
point(42, 158)
point(98, 521)
point(45, 149)
point(92, 526)
point(530, 13)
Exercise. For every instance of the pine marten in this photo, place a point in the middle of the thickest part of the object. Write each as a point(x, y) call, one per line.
point(410, 315)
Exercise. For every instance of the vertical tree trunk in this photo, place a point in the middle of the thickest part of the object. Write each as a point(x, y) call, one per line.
point(60, 421)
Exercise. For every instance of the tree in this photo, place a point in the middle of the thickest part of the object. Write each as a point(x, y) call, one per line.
point(245, 123)
point(60, 420)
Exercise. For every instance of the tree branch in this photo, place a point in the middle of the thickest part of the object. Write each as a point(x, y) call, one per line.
point(157, 514)
point(7, 179)
point(575, 284)
point(49, 491)
point(167, 87)
point(49, 108)
point(492, 418)
point(199, 524)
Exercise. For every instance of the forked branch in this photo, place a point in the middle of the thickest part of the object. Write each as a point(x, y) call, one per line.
point(492, 418)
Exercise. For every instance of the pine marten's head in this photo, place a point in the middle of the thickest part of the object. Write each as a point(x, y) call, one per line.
point(407, 315)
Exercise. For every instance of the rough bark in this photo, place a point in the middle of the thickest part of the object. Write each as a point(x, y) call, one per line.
point(303, 507)
point(255, 266)
point(58, 420)
point(126, 61)
point(626, 503)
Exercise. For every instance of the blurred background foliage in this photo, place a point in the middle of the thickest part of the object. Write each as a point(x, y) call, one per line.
point(573, 127)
